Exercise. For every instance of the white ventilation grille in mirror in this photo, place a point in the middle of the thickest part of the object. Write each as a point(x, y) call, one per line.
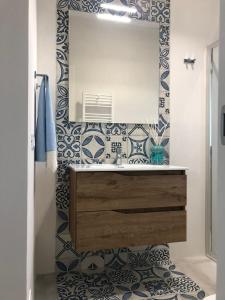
point(97, 107)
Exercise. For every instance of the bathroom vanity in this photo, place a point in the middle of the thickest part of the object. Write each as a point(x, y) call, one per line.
point(123, 206)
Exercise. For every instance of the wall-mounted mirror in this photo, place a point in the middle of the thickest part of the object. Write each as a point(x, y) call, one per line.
point(113, 70)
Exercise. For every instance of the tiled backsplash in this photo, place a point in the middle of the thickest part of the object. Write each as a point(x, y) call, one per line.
point(94, 142)
point(97, 143)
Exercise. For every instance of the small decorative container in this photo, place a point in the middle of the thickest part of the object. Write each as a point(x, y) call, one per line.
point(157, 155)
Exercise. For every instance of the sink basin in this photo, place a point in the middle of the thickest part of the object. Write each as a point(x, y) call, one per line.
point(124, 167)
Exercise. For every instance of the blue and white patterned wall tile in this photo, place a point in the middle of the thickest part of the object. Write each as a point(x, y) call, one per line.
point(164, 35)
point(62, 222)
point(62, 42)
point(112, 143)
point(62, 108)
point(117, 129)
point(160, 11)
point(69, 147)
point(63, 67)
point(63, 4)
point(90, 6)
point(163, 128)
point(94, 6)
point(142, 6)
point(164, 103)
point(92, 127)
point(138, 130)
point(93, 147)
point(164, 56)
point(62, 22)
point(76, 128)
point(138, 149)
point(63, 170)
point(87, 142)
point(62, 196)
point(164, 80)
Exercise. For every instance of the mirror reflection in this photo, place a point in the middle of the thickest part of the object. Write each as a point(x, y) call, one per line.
point(113, 69)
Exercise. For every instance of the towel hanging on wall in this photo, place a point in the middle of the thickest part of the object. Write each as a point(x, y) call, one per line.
point(45, 136)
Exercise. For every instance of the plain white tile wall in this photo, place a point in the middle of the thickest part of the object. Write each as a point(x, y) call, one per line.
point(45, 207)
point(194, 26)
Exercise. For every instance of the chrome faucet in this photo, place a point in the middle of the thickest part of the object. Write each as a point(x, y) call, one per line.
point(118, 159)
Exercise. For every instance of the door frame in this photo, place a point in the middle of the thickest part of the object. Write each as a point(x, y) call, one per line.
point(208, 191)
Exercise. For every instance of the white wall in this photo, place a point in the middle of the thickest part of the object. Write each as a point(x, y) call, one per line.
point(221, 165)
point(194, 25)
point(214, 78)
point(30, 167)
point(45, 205)
point(115, 59)
point(16, 156)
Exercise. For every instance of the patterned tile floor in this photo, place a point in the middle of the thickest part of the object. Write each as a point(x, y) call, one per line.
point(152, 283)
point(201, 269)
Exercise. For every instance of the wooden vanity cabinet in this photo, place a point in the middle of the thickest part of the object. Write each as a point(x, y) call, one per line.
point(127, 208)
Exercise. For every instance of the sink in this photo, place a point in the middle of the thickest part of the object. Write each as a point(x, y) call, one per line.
point(124, 167)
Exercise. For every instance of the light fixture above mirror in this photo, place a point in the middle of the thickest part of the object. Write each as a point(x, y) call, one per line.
point(119, 8)
point(114, 18)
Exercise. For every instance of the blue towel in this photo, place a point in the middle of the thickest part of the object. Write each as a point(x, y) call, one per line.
point(45, 137)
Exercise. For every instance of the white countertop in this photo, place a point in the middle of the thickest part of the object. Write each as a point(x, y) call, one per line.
point(125, 167)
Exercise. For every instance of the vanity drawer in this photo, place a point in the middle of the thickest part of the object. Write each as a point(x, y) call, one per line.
point(98, 191)
point(114, 229)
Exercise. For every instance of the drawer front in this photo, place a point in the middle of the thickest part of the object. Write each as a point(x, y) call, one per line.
point(111, 229)
point(97, 191)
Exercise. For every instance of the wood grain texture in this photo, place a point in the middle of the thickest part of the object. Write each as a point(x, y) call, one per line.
point(97, 191)
point(110, 229)
point(125, 209)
